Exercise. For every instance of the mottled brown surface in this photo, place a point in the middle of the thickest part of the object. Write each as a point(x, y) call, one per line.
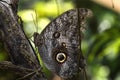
point(16, 43)
point(63, 35)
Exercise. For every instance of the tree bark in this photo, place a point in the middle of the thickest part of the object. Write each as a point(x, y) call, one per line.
point(23, 57)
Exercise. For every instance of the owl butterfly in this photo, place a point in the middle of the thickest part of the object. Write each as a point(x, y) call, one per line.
point(59, 43)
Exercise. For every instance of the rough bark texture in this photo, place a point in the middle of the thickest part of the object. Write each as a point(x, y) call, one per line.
point(23, 58)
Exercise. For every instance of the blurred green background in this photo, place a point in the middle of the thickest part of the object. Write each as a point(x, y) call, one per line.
point(101, 40)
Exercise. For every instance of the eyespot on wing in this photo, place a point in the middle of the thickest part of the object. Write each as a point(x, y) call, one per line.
point(63, 29)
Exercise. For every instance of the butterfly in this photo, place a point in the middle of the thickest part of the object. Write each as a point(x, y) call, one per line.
point(59, 44)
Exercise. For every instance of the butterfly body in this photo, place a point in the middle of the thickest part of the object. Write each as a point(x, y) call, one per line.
point(59, 43)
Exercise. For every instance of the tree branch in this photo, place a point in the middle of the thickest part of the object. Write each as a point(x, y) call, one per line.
point(16, 43)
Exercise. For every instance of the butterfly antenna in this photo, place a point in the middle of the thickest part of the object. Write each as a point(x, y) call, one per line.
point(35, 20)
point(35, 25)
point(58, 9)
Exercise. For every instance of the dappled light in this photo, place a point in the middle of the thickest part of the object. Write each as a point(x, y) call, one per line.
point(100, 40)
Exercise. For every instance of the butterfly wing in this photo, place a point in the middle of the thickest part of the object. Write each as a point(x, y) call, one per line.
point(60, 43)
